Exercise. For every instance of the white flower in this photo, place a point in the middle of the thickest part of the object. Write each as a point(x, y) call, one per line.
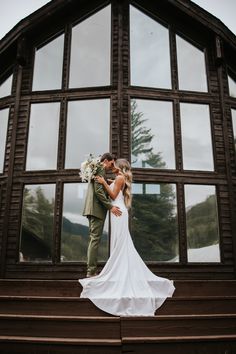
point(90, 168)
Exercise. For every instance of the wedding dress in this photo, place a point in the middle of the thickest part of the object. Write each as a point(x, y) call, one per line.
point(125, 286)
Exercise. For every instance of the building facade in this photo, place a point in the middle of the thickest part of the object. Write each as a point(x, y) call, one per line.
point(153, 82)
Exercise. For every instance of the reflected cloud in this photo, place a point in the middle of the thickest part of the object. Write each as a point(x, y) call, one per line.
point(149, 51)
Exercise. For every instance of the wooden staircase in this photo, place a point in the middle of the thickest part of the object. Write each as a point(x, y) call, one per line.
point(47, 316)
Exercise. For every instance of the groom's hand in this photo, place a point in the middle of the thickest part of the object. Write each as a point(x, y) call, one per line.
point(116, 211)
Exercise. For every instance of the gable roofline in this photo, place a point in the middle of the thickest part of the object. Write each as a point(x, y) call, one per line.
point(55, 7)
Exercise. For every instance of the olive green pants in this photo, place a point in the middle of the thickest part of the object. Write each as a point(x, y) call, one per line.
point(95, 232)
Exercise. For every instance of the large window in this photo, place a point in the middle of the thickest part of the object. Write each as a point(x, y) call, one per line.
point(88, 127)
point(91, 51)
point(48, 65)
point(43, 136)
point(196, 137)
point(150, 51)
point(37, 223)
point(191, 66)
point(152, 134)
point(74, 233)
point(3, 135)
point(154, 221)
point(202, 223)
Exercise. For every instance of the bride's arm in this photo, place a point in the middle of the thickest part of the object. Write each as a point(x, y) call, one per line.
point(118, 185)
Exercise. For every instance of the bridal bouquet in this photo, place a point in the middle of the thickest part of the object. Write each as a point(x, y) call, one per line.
point(90, 168)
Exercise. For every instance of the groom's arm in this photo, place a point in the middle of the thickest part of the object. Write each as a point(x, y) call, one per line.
point(100, 194)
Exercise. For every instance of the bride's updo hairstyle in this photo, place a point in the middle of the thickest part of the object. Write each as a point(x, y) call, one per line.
point(124, 167)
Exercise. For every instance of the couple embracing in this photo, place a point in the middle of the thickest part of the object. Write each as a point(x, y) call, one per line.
point(125, 286)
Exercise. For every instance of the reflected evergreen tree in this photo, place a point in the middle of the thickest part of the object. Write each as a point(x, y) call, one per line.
point(38, 214)
point(154, 221)
point(141, 141)
point(202, 224)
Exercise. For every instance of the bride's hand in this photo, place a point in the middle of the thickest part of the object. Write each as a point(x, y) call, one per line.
point(100, 179)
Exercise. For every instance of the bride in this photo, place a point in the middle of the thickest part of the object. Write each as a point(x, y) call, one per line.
point(125, 286)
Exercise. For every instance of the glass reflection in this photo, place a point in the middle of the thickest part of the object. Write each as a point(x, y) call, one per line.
point(233, 111)
point(48, 65)
point(152, 134)
point(5, 87)
point(91, 51)
point(75, 231)
point(150, 51)
point(88, 130)
point(154, 221)
point(202, 223)
point(37, 223)
point(43, 136)
point(191, 66)
point(3, 135)
point(232, 87)
point(196, 137)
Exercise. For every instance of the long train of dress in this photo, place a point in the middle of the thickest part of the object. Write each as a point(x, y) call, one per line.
point(125, 286)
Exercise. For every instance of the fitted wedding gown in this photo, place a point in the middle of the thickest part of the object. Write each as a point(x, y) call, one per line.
point(125, 286)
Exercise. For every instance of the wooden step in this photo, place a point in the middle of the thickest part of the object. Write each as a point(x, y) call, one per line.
point(178, 325)
point(46, 345)
point(64, 288)
point(75, 306)
point(60, 326)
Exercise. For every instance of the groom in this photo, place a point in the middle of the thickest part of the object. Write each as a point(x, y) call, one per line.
point(96, 205)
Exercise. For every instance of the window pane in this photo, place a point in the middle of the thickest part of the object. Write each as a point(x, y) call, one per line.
point(88, 130)
point(233, 111)
point(154, 222)
point(152, 134)
point(3, 135)
point(202, 223)
point(75, 231)
point(37, 223)
point(5, 87)
point(91, 51)
point(48, 65)
point(150, 51)
point(232, 87)
point(191, 67)
point(43, 136)
point(196, 137)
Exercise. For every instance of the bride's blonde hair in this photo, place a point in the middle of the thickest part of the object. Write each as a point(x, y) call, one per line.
point(124, 167)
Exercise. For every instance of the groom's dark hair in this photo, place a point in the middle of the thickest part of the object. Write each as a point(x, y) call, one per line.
point(107, 156)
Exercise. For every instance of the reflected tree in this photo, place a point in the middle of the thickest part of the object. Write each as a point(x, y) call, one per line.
point(141, 141)
point(202, 224)
point(37, 216)
point(154, 220)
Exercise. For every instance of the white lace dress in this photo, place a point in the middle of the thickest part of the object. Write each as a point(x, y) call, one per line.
point(125, 286)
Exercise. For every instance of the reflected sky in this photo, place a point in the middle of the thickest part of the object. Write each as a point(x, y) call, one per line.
point(3, 135)
point(88, 130)
point(48, 65)
point(232, 87)
point(149, 50)
point(91, 51)
point(158, 116)
point(191, 66)
point(43, 136)
point(196, 137)
point(5, 87)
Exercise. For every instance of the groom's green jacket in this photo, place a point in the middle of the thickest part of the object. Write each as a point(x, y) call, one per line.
point(97, 201)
